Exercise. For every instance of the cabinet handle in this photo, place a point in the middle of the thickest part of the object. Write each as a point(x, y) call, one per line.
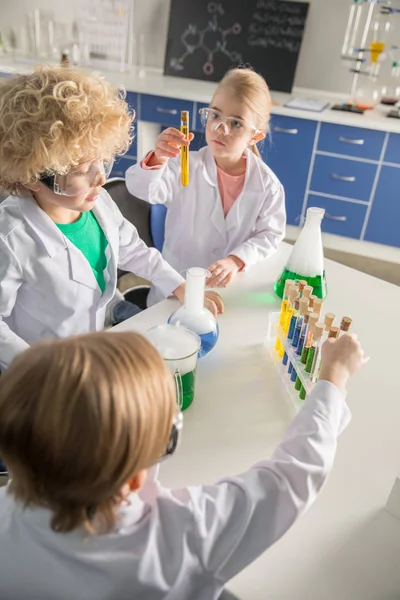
point(342, 178)
point(350, 141)
point(283, 130)
point(332, 218)
point(167, 111)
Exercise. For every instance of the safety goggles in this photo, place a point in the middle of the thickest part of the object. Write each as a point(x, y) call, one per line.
point(230, 125)
point(174, 436)
point(80, 180)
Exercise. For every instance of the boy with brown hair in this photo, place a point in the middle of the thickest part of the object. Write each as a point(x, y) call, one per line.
point(81, 422)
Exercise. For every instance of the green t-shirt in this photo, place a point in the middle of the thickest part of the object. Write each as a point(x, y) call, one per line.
point(87, 235)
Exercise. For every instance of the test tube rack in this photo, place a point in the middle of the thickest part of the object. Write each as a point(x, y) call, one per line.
point(275, 331)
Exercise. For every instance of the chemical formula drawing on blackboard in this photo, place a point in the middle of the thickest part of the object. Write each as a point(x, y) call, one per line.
point(206, 38)
point(207, 44)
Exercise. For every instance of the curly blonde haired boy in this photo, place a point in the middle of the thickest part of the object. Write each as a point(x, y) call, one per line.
point(62, 238)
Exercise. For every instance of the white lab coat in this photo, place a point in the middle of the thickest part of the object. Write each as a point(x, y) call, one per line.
point(185, 544)
point(196, 230)
point(47, 287)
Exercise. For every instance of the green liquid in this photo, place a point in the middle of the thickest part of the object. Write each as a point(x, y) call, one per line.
point(298, 385)
point(310, 359)
point(302, 394)
point(318, 283)
point(188, 385)
point(304, 355)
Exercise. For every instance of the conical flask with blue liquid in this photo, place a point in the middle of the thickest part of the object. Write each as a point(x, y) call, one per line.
point(193, 314)
point(306, 261)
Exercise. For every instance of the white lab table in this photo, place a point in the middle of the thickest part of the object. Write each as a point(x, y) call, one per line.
point(347, 546)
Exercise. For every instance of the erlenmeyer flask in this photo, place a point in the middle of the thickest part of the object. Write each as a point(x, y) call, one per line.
point(193, 315)
point(307, 258)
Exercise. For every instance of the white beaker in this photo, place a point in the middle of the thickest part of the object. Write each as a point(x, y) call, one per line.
point(179, 348)
point(306, 261)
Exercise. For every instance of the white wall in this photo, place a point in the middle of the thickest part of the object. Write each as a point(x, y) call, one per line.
point(319, 65)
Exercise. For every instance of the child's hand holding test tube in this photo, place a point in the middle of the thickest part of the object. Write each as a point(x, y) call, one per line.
point(168, 146)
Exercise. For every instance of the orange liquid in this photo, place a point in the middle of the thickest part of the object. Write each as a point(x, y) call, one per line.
point(376, 50)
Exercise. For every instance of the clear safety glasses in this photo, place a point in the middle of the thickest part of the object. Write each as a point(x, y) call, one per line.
point(174, 437)
point(230, 125)
point(80, 180)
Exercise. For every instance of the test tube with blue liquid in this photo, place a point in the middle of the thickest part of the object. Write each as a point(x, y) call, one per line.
point(293, 294)
point(303, 307)
point(292, 326)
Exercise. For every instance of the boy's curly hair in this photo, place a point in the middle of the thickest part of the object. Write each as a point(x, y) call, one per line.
point(56, 118)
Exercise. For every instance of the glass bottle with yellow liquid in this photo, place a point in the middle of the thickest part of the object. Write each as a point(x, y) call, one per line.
point(307, 258)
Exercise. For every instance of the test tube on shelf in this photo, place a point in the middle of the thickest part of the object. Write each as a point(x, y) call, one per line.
point(345, 325)
point(312, 320)
point(293, 295)
point(313, 351)
point(303, 306)
point(284, 306)
point(329, 319)
point(312, 298)
point(317, 305)
point(292, 326)
point(318, 332)
point(305, 344)
point(302, 284)
point(185, 149)
point(316, 366)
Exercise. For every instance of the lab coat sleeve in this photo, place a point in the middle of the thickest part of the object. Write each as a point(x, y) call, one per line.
point(269, 230)
point(156, 186)
point(237, 519)
point(146, 262)
point(10, 280)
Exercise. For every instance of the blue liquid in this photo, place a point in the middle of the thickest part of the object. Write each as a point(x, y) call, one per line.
point(290, 368)
point(301, 345)
point(296, 337)
point(208, 341)
point(293, 376)
point(292, 327)
point(285, 359)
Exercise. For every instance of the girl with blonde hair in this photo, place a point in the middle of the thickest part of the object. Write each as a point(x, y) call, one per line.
point(232, 213)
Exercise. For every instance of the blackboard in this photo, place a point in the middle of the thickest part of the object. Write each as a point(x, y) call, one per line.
point(206, 38)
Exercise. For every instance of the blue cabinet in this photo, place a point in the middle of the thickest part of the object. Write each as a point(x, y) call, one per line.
point(166, 111)
point(384, 220)
point(288, 150)
point(392, 154)
point(132, 100)
point(341, 217)
point(121, 165)
point(343, 177)
point(351, 141)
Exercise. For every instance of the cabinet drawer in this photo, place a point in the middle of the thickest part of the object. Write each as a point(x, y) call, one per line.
point(341, 217)
point(166, 111)
point(384, 220)
point(392, 153)
point(121, 165)
point(343, 177)
point(287, 150)
point(351, 141)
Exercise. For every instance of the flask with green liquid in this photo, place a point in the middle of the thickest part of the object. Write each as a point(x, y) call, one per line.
point(307, 258)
